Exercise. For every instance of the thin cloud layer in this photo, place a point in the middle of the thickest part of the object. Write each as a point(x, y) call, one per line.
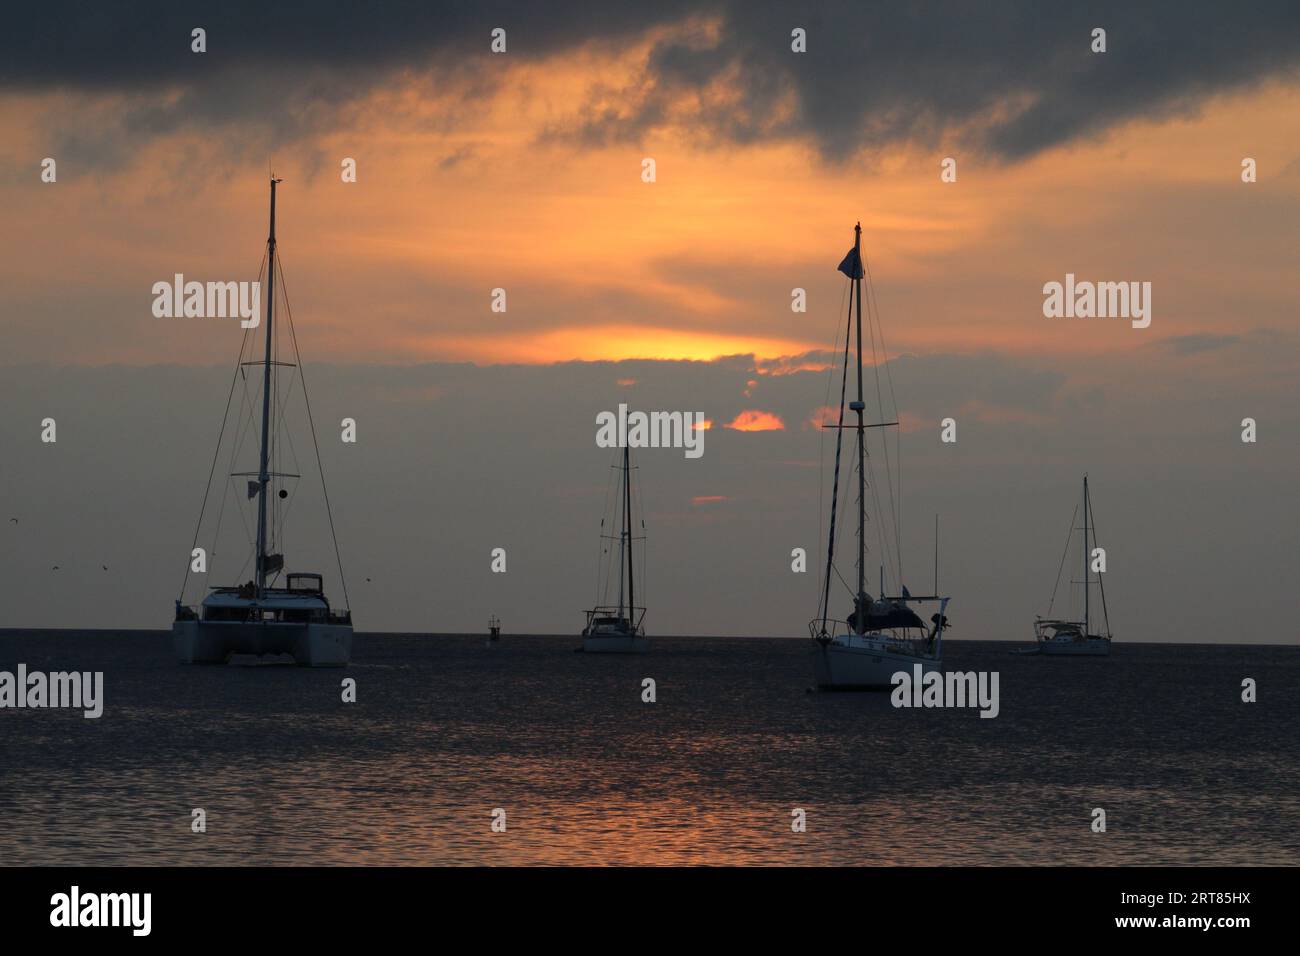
point(441, 448)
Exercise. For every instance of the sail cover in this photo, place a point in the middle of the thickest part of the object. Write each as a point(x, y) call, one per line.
point(852, 264)
point(886, 614)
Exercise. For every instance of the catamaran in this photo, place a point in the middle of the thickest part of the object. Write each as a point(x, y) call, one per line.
point(882, 635)
point(262, 618)
point(1068, 638)
point(618, 628)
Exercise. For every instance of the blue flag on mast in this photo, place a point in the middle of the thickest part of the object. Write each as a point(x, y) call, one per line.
point(852, 264)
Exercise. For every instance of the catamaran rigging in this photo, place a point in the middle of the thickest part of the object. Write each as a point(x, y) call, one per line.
point(259, 617)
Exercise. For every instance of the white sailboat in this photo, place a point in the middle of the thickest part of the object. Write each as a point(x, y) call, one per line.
point(1067, 638)
point(619, 628)
point(262, 618)
point(882, 635)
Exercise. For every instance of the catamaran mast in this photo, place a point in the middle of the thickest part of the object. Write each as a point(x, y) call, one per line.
point(627, 531)
point(263, 477)
point(860, 618)
point(1085, 556)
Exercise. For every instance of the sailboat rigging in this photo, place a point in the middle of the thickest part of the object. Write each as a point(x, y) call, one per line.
point(1075, 638)
point(619, 629)
point(882, 635)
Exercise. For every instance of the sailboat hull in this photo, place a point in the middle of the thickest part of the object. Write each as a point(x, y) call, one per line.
point(310, 645)
point(839, 666)
point(615, 644)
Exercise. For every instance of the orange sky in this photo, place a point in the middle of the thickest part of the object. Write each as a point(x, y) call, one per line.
point(464, 189)
point(456, 199)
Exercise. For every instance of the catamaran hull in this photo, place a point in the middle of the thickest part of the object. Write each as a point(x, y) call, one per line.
point(837, 667)
point(615, 644)
point(310, 645)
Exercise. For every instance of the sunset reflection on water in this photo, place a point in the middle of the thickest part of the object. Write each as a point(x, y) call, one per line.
point(445, 732)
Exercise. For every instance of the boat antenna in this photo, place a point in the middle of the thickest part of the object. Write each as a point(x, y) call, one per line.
point(936, 554)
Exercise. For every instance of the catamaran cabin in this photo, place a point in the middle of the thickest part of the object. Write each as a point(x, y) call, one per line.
point(301, 601)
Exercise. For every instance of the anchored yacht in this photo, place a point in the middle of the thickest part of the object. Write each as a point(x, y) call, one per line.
point(884, 634)
point(1075, 638)
point(265, 617)
point(618, 628)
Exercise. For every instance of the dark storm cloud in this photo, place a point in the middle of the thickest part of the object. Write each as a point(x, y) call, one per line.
point(1011, 78)
point(139, 45)
point(281, 71)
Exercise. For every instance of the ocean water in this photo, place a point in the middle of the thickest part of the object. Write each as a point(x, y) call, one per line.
point(445, 731)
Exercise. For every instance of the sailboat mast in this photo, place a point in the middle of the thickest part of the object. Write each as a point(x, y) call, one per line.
point(627, 526)
point(859, 406)
point(1085, 556)
point(622, 542)
point(263, 477)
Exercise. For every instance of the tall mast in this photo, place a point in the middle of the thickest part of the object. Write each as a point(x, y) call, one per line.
point(1085, 555)
point(852, 267)
point(627, 530)
point(263, 476)
point(861, 616)
point(622, 542)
